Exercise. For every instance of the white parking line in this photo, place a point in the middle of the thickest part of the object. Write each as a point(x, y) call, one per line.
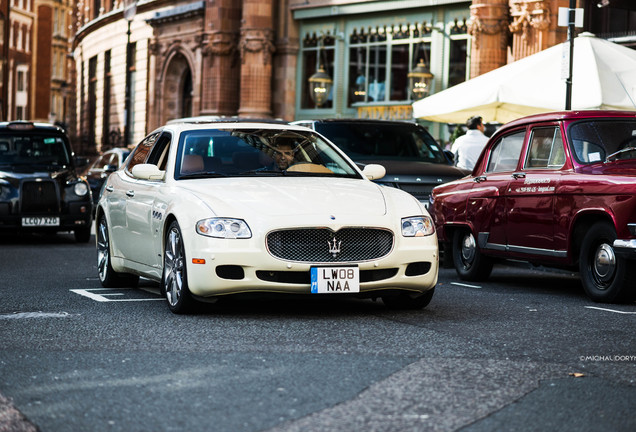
point(21, 315)
point(103, 297)
point(611, 310)
point(465, 285)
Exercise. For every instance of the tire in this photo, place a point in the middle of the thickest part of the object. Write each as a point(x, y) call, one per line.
point(470, 263)
point(108, 277)
point(174, 280)
point(604, 275)
point(406, 301)
point(82, 235)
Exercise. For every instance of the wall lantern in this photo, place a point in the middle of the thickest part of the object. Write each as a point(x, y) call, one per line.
point(320, 83)
point(420, 81)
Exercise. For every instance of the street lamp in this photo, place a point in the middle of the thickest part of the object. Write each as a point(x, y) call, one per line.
point(420, 81)
point(130, 9)
point(320, 83)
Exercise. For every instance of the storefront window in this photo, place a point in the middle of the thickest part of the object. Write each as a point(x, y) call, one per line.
point(458, 54)
point(380, 59)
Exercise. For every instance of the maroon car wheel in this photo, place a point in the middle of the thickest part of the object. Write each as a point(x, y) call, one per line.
point(605, 276)
point(470, 263)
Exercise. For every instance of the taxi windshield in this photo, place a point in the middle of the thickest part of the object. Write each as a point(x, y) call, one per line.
point(257, 152)
point(603, 140)
point(33, 149)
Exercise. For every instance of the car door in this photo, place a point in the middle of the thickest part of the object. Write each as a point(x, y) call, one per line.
point(143, 210)
point(531, 195)
point(486, 204)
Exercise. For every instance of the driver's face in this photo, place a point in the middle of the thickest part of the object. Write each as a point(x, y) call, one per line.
point(284, 156)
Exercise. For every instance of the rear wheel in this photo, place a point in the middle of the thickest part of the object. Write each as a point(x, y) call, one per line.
point(470, 263)
point(174, 282)
point(108, 277)
point(605, 276)
point(408, 301)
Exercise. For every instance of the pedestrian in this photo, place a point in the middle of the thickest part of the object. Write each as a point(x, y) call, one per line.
point(467, 148)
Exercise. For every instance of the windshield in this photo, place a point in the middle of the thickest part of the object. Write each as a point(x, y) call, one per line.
point(257, 152)
point(33, 149)
point(599, 140)
point(378, 141)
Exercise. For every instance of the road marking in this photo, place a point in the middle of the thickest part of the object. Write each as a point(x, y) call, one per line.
point(465, 285)
point(91, 294)
point(611, 310)
point(21, 315)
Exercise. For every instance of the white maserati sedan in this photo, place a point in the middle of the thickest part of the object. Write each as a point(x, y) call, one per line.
point(223, 208)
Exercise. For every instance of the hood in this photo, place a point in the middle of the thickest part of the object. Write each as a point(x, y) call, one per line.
point(620, 167)
point(14, 177)
point(414, 169)
point(283, 196)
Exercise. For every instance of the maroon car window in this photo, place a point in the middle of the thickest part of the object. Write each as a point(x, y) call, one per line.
point(504, 155)
point(595, 141)
point(546, 149)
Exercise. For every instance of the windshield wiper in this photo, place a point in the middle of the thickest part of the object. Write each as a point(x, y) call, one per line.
point(621, 151)
point(263, 171)
point(198, 175)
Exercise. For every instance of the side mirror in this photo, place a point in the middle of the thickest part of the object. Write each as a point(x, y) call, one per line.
point(449, 154)
point(81, 161)
point(148, 172)
point(374, 171)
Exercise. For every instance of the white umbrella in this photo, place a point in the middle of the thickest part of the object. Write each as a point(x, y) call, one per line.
point(604, 77)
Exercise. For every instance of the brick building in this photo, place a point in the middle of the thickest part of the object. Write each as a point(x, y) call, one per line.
point(255, 58)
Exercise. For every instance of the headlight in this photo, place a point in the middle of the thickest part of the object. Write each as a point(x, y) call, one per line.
point(224, 228)
point(418, 226)
point(80, 189)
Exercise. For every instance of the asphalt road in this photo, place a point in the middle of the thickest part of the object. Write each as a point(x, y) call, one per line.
point(525, 351)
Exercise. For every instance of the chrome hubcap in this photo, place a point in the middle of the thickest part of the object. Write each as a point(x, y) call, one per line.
point(173, 268)
point(103, 250)
point(468, 248)
point(604, 263)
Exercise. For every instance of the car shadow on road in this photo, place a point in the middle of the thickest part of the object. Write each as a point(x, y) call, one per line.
point(40, 239)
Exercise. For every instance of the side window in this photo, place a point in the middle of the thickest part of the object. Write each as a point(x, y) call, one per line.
point(546, 149)
point(505, 153)
point(159, 153)
point(141, 152)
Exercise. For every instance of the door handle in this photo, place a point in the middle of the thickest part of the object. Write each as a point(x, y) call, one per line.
point(479, 179)
point(109, 188)
point(130, 193)
point(519, 175)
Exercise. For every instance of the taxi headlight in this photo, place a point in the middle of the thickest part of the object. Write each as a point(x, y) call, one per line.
point(80, 189)
point(418, 226)
point(223, 228)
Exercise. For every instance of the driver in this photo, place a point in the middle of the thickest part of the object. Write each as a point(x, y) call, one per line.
point(283, 155)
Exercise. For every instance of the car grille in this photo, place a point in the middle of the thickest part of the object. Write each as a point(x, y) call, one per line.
point(322, 245)
point(419, 191)
point(39, 197)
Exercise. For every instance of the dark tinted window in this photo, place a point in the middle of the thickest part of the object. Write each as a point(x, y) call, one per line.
point(34, 148)
point(389, 141)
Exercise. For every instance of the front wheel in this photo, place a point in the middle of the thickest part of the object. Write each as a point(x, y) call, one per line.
point(470, 263)
point(405, 301)
point(604, 275)
point(108, 277)
point(174, 282)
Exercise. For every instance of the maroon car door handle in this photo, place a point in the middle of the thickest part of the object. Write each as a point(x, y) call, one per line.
point(479, 179)
point(519, 175)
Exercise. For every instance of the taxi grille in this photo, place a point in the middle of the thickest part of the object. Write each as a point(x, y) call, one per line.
point(321, 245)
point(39, 197)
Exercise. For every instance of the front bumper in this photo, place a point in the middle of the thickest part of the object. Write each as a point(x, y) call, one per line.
point(235, 266)
point(625, 248)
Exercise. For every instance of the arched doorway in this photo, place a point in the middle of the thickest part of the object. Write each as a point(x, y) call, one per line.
point(177, 89)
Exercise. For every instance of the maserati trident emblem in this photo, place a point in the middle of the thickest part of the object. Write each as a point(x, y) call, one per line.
point(334, 247)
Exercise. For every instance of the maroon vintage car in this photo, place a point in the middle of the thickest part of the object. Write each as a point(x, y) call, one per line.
point(555, 189)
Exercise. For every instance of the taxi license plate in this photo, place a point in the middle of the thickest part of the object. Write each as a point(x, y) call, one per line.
point(41, 221)
point(335, 280)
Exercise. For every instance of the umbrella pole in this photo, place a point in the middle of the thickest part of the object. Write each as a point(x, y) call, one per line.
point(568, 81)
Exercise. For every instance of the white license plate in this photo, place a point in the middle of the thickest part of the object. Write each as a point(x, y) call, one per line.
point(335, 280)
point(41, 221)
